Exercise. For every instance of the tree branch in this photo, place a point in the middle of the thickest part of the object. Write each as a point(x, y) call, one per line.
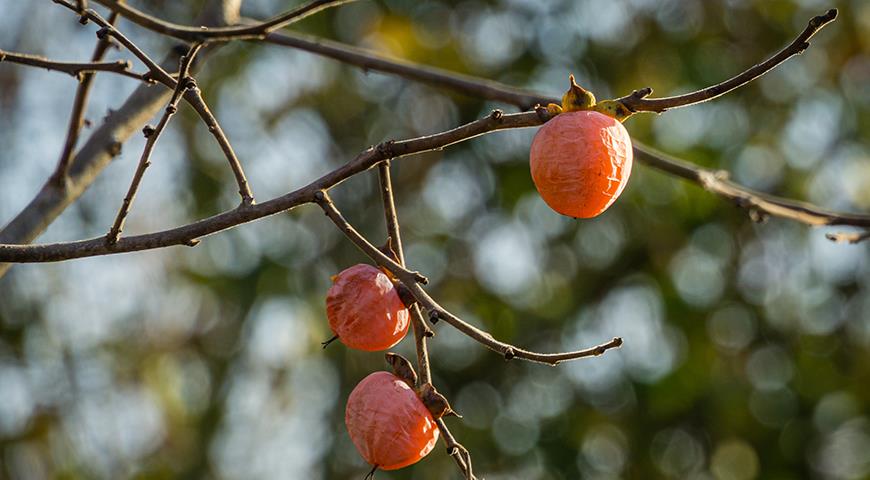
point(102, 145)
point(421, 331)
point(75, 69)
point(77, 116)
point(188, 234)
point(455, 449)
point(151, 135)
point(193, 96)
point(638, 101)
point(348, 54)
point(716, 181)
point(256, 31)
point(411, 280)
point(322, 199)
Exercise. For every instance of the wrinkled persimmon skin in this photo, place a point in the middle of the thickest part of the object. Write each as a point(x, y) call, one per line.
point(364, 309)
point(580, 162)
point(388, 423)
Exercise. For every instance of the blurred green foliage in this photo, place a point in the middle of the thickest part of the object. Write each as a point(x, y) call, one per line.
point(747, 346)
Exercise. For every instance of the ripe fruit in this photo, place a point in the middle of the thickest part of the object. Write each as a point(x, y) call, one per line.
point(388, 423)
point(580, 162)
point(364, 309)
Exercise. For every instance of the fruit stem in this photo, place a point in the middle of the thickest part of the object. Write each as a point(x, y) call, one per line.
point(371, 474)
point(326, 343)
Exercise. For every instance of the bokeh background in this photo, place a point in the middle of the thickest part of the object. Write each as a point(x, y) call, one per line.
point(747, 346)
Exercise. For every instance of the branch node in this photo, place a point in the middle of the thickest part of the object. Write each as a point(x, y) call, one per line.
point(642, 93)
point(434, 316)
point(103, 32)
point(385, 149)
point(509, 353)
point(542, 112)
point(189, 83)
point(148, 130)
point(191, 242)
point(496, 115)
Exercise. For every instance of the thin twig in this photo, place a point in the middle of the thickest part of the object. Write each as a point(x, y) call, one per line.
point(638, 101)
point(455, 449)
point(152, 134)
point(716, 181)
point(190, 233)
point(220, 34)
point(329, 208)
point(421, 330)
point(411, 281)
point(77, 116)
point(192, 95)
point(187, 234)
point(75, 69)
point(104, 143)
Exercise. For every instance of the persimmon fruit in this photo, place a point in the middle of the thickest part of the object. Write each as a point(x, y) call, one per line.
point(580, 162)
point(364, 309)
point(388, 423)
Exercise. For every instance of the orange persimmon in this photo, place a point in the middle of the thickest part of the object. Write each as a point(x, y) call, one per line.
point(364, 309)
point(580, 162)
point(388, 423)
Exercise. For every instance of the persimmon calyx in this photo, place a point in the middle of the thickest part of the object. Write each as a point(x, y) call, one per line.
point(402, 368)
point(578, 98)
point(436, 403)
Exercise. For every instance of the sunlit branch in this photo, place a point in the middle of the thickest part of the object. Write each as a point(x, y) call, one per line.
point(411, 280)
point(717, 182)
point(75, 69)
point(193, 96)
point(77, 116)
point(189, 234)
point(638, 101)
point(220, 34)
point(184, 83)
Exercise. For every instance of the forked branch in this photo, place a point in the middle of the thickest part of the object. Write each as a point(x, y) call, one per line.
point(256, 31)
point(411, 281)
point(638, 100)
point(193, 96)
point(151, 135)
point(75, 69)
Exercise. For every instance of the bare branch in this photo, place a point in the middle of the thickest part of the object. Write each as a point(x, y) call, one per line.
point(717, 182)
point(75, 69)
point(220, 34)
point(411, 280)
point(394, 239)
point(322, 199)
point(638, 101)
point(77, 116)
point(102, 145)
point(192, 95)
point(151, 135)
point(421, 331)
point(394, 149)
point(466, 84)
point(456, 450)
point(348, 54)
